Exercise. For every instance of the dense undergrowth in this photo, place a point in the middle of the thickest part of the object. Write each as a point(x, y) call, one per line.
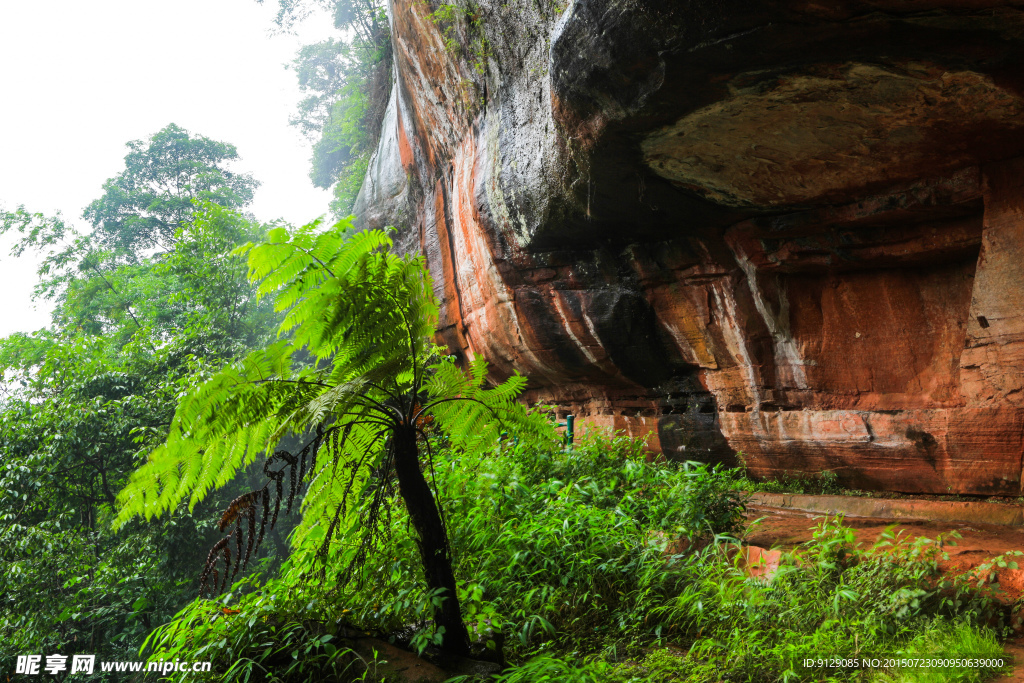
point(564, 560)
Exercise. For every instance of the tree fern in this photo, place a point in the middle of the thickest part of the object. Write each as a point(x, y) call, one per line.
point(354, 378)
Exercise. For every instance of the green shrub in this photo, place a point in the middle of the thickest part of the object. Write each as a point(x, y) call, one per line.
point(275, 631)
point(562, 555)
point(829, 598)
point(552, 547)
point(562, 541)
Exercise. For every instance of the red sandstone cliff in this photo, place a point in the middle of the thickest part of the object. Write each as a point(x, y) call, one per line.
point(792, 229)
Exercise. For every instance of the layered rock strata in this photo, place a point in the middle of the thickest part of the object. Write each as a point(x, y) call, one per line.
point(791, 230)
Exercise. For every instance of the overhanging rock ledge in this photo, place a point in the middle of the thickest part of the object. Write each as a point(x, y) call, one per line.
point(791, 229)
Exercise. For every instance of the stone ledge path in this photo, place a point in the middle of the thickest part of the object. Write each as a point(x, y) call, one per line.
point(973, 512)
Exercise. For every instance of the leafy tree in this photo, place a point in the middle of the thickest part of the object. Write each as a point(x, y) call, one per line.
point(357, 381)
point(61, 246)
point(333, 113)
point(171, 196)
point(143, 207)
point(82, 401)
point(366, 19)
point(69, 440)
point(347, 83)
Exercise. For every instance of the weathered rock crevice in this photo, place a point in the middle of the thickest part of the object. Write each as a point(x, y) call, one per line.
point(787, 230)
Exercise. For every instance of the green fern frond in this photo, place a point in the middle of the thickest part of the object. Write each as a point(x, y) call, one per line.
point(354, 362)
point(474, 415)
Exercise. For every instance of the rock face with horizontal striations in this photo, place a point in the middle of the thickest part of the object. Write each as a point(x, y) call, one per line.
point(789, 229)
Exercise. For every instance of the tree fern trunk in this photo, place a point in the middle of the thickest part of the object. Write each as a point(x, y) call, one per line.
point(432, 541)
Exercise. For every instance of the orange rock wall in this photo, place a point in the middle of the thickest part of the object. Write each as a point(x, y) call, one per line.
point(866, 318)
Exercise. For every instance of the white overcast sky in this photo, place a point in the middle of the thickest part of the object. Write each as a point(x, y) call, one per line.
point(80, 79)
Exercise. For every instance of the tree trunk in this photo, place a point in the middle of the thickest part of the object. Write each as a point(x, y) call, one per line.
point(432, 541)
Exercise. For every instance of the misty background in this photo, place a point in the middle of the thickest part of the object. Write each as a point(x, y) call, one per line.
point(82, 79)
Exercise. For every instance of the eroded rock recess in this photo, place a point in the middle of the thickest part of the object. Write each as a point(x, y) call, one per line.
point(789, 229)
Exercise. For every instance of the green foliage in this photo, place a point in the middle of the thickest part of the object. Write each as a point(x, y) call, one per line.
point(199, 294)
point(948, 640)
point(463, 30)
point(346, 84)
point(828, 596)
point(333, 113)
point(270, 631)
point(356, 377)
point(86, 398)
point(554, 669)
point(70, 434)
point(80, 410)
point(143, 207)
point(571, 559)
point(61, 246)
point(361, 318)
point(195, 292)
point(362, 17)
point(350, 181)
point(446, 15)
point(549, 546)
point(563, 556)
point(825, 482)
point(568, 546)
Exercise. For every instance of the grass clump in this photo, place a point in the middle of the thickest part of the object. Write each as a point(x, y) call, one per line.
point(947, 640)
